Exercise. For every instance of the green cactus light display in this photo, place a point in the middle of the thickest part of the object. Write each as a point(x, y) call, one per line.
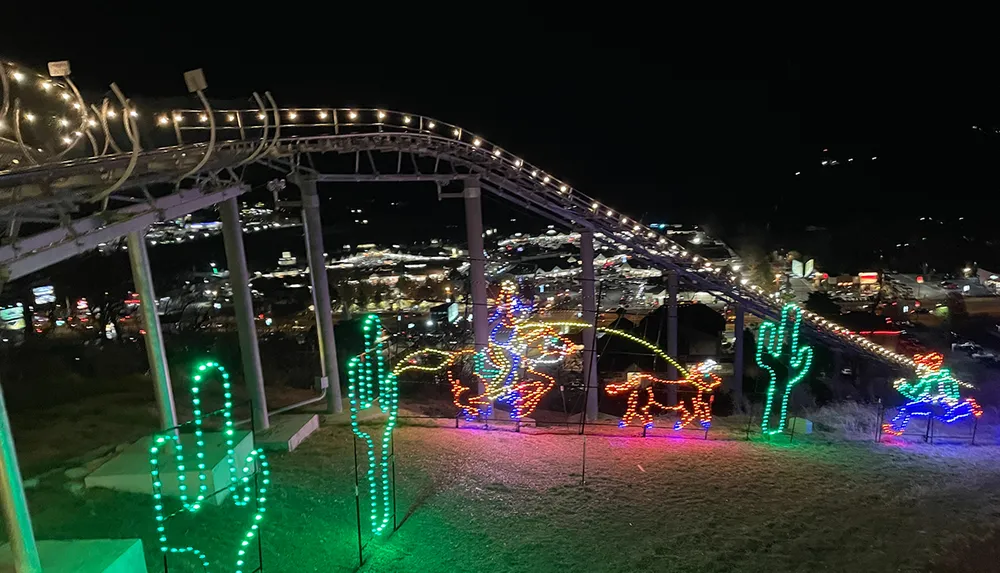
point(366, 373)
point(780, 343)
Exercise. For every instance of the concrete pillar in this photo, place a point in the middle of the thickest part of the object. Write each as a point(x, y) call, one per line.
point(156, 353)
point(477, 263)
point(321, 295)
point(239, 279)
point(672, 334)
point(738, 327)
point(15, 506)
point(588, 284)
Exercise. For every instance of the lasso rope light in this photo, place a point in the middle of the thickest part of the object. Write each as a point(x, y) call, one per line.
point(366, 373)
point(242, 480)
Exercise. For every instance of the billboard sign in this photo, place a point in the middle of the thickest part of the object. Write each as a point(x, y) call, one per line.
point(44, 294)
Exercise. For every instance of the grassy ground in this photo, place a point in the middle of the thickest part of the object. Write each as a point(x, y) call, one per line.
point(499, 502)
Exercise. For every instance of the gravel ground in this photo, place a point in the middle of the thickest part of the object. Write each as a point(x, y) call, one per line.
point(499, 501)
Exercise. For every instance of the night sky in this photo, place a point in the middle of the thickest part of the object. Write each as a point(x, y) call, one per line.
point(696, 134)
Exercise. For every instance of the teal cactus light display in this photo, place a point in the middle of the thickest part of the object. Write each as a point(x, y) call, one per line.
point(243, 478)
point(369, 381)
point(779, 343)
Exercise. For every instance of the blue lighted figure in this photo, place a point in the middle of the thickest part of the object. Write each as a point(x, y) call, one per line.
point(935, 393)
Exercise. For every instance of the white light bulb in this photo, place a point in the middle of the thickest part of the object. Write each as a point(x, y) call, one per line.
point(63, 121)
point(594, 206)
point(381, 115)
point(352, 114)
point(534, 173)
point(260, 116)
point(517, 163)
point(133, 113)
point(163, 120)
point(76, 105)
point(563, 188)
point(67, 140)
point(545, 179)
point(230, 118)
point(477, 142)
point(203, 118)
point(30, 117)
point(456, 132)
point(292, 115)
point(323, 114)
point(407, 119)
point(611, 213)
point(496, 152)
point(65, 96)
point(91, 122)
point(18, 76)
point(430, 125)
point(112, 113)
point(179, 118)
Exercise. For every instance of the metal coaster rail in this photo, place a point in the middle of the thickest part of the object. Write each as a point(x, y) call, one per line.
point(280, 138)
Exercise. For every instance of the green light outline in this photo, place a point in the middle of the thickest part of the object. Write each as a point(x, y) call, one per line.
point(360, 393)
point(160, 441)
point(771, 337)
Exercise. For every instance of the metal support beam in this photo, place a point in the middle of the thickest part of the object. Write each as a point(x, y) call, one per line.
point(672, 334)
point(321, 294)
point(588, 281)
point(239, 280)
point(15, 506)
point(30, 254)
point(738, 327)
point(477, 265)
point(156, 353)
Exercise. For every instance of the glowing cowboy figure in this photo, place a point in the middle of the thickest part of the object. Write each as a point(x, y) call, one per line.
point(935, 393)
point(508, 367)
point(366, 374)
point(641, 401)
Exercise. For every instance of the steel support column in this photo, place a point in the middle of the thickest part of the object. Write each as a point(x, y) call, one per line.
point(590, 379)
point(477, 264)
point(239, 280)
point(321, 294)
point(738, 328)
point(15, 506)
point(672, 334)
point(156, 353)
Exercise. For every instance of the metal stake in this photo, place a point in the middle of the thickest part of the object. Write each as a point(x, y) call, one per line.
point(357, 501)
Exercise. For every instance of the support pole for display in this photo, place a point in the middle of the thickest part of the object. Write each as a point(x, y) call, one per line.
point(357, 501)
point(672, 334)
point(477, 265)
point(156, 353)
point(738, 328)
point(239, 280)
point(15, 506)
point(321, 294)
point(590, 317)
